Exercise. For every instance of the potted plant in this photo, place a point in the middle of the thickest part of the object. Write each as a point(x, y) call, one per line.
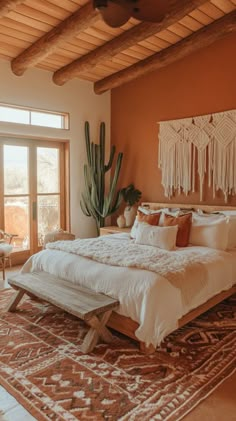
point(96, 202)
point(131, 196)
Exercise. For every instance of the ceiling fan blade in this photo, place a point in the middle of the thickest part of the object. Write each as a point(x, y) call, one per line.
point(115, 14)
point(150, 10)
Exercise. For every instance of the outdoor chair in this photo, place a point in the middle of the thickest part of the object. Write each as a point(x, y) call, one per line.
point(5, 250)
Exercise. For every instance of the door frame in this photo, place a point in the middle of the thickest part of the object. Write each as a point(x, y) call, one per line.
point(34, 142)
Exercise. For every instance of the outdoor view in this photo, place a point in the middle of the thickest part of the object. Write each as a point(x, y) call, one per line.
point(19, 188)
point(48, 183)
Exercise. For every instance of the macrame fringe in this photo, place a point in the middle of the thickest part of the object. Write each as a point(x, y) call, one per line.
point(209, 141)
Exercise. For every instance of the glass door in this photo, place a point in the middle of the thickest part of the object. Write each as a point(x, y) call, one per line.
point(48, 191)
point(32, 191)
point(16, 192)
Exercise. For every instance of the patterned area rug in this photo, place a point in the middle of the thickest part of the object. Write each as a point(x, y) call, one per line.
point(43, 368)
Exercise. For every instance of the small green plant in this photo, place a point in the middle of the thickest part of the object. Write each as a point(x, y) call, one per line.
point(131, 195)
point(95, 202)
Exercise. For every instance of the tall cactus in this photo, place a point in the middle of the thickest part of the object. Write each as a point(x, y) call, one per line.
point(95, 202)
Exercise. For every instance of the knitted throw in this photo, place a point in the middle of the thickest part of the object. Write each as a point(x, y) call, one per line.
point(205, 145)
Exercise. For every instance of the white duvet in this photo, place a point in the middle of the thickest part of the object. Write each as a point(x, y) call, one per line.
point(146, 296)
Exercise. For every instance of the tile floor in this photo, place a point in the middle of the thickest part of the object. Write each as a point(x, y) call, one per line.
point(11, 410)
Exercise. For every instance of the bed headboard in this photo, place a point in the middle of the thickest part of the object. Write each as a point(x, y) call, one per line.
point(206, 208)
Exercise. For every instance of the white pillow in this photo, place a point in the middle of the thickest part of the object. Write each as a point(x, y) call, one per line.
point(210, 233)
point(135, 226)
point(136, 223)
point(162, 237)
point(148, 211)
point(232, 228)
point(206, 218)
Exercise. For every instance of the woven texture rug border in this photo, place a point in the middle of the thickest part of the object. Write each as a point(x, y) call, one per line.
point(42, 367)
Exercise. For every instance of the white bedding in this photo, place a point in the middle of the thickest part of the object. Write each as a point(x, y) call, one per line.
point(145, 296)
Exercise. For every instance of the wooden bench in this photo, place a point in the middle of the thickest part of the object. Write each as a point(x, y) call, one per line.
point(92, 307)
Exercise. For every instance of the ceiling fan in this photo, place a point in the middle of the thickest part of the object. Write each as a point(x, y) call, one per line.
point(117, 12)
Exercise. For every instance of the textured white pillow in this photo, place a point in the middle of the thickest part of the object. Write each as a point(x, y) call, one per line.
point(213, 234)
point(162, 237)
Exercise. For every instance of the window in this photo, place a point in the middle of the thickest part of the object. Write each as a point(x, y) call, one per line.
point(12, 114)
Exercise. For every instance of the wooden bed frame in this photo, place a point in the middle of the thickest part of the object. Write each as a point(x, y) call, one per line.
point(128, 327)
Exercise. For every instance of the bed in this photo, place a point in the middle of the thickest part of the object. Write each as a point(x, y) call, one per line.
point(152, 304)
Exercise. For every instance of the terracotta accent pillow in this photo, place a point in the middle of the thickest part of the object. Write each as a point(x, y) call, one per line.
point(184, 223)
point(151, 219)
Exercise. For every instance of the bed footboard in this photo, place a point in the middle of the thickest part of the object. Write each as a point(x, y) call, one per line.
point(127, 326)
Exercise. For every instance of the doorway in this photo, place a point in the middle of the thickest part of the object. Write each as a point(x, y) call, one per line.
point(32, 192)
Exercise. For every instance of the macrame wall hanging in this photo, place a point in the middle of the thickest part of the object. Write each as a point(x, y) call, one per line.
point(206, 145)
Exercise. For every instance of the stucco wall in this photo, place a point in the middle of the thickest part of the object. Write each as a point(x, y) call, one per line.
point(36, 89)
point(202, 83)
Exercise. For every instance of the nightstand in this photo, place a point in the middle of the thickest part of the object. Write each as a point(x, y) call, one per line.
point(113, 229)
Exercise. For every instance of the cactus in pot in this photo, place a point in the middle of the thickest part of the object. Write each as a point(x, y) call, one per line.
point(95, 202)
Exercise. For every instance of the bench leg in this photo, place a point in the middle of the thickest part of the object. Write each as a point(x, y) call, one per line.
point(32, 296)
point(148, 350)
point(15, 300)
point(97, 329)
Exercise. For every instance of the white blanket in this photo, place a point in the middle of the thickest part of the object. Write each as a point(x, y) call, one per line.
point(145, 296)
point(176, 268)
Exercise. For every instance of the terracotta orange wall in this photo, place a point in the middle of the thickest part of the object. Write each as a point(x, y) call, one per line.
point(202, 83)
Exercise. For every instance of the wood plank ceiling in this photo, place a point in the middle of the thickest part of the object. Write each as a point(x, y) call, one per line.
point(69, 38)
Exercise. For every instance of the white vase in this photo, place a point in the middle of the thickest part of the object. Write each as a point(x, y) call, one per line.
point(129, 214)
point(121, 221)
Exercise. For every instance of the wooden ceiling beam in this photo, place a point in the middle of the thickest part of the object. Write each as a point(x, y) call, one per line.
point(176, 11)
point(194, 42)
point(7, 5)
point(48, 43)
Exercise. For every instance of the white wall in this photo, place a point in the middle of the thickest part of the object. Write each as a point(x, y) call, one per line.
point(36, 89)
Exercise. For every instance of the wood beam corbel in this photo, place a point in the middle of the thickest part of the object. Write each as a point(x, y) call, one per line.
point(7, 5)
point(48, 43)
point(200, 39)
point(176, 11)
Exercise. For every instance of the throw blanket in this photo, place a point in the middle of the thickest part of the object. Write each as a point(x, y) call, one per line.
point(186, 270)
